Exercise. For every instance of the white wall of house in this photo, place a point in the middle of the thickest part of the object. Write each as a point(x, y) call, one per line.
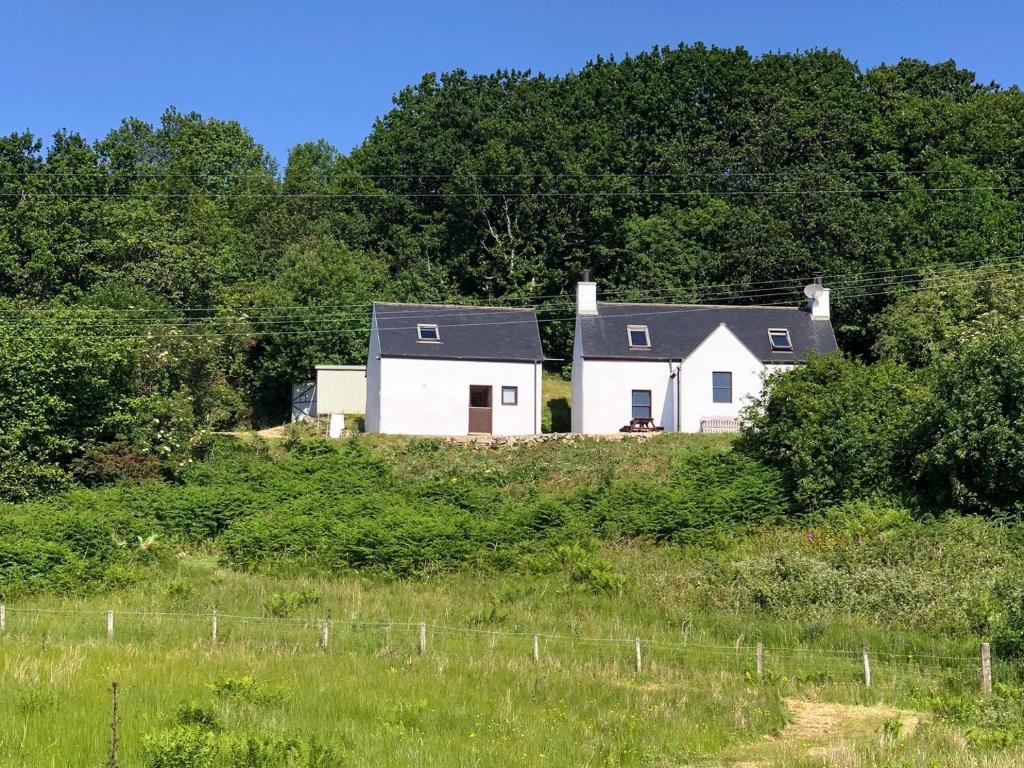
point(576, 404)
point(721, 351)
point(607, 390)
point(371, 419)
point(603, 388)
point(413, 396)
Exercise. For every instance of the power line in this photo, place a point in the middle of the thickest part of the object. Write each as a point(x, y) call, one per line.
point(835, 280)
point(864, 292)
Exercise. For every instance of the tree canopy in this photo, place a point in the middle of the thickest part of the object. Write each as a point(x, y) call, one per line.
point(690, 173)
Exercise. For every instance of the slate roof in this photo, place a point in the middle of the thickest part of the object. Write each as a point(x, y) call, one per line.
point(467, 333)
point(677, 329)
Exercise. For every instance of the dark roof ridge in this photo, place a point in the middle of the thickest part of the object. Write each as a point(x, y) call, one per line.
point(451, 306)
point(699, 306)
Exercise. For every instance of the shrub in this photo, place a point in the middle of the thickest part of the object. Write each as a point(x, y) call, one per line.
point(191, 746)
point(839, 429)
point(707, 490)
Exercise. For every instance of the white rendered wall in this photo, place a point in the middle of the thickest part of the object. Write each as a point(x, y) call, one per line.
point(604, 387)
point(431, 397)
point(371, 422)
point(576, 404)
point(721, 351)
point(607, 390)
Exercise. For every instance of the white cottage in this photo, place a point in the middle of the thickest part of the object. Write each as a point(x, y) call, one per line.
point(449, 370)
point(689, 368)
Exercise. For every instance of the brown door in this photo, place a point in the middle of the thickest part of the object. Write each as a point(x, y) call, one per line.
point(479, 409)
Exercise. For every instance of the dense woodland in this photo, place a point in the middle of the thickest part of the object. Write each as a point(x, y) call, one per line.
point(170, 279)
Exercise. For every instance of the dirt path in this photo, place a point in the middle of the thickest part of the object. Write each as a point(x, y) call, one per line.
point(825, 731)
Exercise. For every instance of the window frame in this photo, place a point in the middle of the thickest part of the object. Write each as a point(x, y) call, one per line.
point(515, 394)
point(633, 406)
point(716, 388)
point(775, 347)
point(419, 333)
point(630, 329)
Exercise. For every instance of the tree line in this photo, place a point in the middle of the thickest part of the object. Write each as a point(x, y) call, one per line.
point(170, 278)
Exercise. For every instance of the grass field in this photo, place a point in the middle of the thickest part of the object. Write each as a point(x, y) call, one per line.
point(476, 697)
point(699, 592)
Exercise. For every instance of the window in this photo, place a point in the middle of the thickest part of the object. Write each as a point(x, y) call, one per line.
point(641, 403)
point(639, 338)
point(427, 332)
point(721, 387)
point(510, 395)
point(779, 338)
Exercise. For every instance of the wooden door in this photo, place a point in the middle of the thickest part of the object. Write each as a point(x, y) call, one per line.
point(480, 410)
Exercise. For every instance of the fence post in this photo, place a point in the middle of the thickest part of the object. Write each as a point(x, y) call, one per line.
point(110, 626)
point(325, 628)
point(759, 660)
point(536, 647)
point(3, 617)
point(639, 660)
point(986, 668)
point(213, 627)
point(423, 638)
point(867, 668)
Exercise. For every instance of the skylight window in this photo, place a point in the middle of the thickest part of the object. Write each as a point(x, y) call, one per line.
point(780, 341)
point(428, 332)
point(639, 338)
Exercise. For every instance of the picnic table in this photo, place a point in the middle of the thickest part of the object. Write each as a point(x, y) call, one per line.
point(641, 425)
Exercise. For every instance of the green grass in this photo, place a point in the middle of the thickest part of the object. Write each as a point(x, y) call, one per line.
point(475, 698)
point(918, 594)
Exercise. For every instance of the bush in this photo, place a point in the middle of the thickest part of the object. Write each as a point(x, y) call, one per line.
point(193, 746)
point(838, 429)
point(708, 490)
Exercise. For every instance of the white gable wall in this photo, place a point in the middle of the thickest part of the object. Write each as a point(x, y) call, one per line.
point(721, 351)
point(431, 397)
point(602, 389)
point(371, 422)
point(576, 411)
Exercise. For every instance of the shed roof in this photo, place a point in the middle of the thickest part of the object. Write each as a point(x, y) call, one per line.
point(508, 334)
point(676, 330)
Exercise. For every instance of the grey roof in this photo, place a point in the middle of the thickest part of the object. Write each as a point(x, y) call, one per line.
point(677, 329)
point(467, 333)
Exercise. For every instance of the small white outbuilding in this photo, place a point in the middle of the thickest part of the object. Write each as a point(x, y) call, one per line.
point(453, 370)
point(684, 368)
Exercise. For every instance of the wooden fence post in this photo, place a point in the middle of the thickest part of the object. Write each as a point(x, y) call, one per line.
point(986, 668)
point(3, 617)
point(867, 668)
point(759, 660)
point(325, 628)
point(110, 626)
point(639, 659)
point(213, 627)
point(423, 638)
point(536, 647)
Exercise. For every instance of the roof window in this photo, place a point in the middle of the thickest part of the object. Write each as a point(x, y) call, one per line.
point(639, 338)
point(780, 341)
point(428, 332)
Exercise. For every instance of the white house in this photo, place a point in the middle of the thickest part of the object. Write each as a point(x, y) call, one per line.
point(690, 368)
point(449, 370)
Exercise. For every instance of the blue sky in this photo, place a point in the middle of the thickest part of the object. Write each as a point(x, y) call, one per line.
point(310, 69)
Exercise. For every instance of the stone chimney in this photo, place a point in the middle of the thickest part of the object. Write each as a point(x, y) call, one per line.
point(586, 295)
point(819, 299)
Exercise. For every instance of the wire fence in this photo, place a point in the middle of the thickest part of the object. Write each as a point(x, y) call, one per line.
point(958, 672)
